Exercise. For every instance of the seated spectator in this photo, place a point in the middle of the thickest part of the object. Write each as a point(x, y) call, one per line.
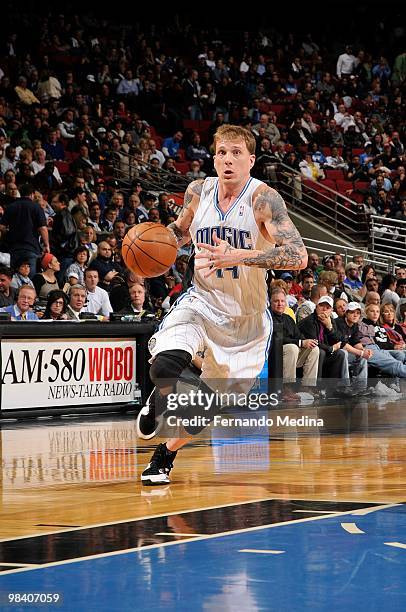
point(7, 291)
point(154, 216)
point(21, 275)
point(46, 180)
point(396, 332)
point(137, 296)
point(196, 151)
point(307, 283)
point(195, 172)
point(340, 306)
point(352, 282)
point(171, 146)
point(311, 169)
point(298, 135)
point(293, 288)
point(88, 238)
point(388, 290)
point(98, 299)
point(81, 258)
point(77, 299)
point(104, 265)
point(95, 216)
point(317, 154)
point(110, 215)
point(356, 171)
point(297, 350)
point(56, 306)
point(46, 281)
point(307, 307)
point(357, 355)
point(335, 161)
point(320, 326)
point(374, 337)
point(329, 278)
point(54, 147)
point(22, 309)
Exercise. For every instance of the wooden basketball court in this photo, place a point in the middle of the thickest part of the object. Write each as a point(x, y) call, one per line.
point(282, 518)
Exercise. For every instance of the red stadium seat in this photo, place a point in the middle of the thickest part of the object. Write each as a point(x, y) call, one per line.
point(344, 186)
point(62, 166)
point(182, 166)
point(334, 175)
point(329, 183)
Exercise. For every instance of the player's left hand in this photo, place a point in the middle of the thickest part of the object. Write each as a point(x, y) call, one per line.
point(213, 258)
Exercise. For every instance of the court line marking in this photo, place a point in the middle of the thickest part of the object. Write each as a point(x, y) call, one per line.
point(395, 544)
point(141, 549)
point(184, 535)
point(351, 528)
point(363, 511)
point(144, 518)
point(19, 564)
point(262, 552)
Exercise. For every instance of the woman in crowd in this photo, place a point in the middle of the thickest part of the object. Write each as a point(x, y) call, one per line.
point(46, 281)
point(388, 290)
point(396, 332)
point(81, 258)
point(56, 306)
point(21, 275)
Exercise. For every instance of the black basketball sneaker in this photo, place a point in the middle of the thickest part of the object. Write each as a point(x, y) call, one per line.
point(158, 469)
point(151, 416)
point(149, 421)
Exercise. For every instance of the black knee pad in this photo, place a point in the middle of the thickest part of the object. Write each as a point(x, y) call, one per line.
point(168, 366)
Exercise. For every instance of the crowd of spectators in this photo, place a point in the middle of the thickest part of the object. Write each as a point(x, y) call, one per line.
point(102, 123)
point(340, 321)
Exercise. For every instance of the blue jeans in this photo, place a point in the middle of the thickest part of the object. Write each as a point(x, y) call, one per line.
point(390, 362)
point(361, 364)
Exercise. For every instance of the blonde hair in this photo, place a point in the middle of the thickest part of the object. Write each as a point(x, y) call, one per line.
point(279, 285)
point(328, 276)
point(391, 308)
point(235, 132)
point(368, 308)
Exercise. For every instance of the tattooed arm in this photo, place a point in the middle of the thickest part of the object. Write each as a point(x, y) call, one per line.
point(181, 226)
point(290, 252)
point(271, 214)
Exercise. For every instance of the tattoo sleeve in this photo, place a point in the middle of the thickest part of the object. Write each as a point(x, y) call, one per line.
point(177, 231)
point(290, 251)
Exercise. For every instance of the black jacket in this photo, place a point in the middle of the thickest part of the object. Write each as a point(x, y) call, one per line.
point(310, 328)
point(349, 335)
point(290, 332)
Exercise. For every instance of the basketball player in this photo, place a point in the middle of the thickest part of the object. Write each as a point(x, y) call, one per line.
point(240, 228)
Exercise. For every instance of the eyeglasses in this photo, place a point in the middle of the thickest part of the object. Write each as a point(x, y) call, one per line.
point(59, 302)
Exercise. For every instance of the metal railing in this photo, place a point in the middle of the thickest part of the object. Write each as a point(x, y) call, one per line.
point(127, 168)
point(321, 204)
point(383, 263)
point(388, 236)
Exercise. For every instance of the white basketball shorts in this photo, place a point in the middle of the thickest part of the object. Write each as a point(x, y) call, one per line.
point(233, 347)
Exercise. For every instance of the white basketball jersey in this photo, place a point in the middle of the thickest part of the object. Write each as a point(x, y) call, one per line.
point(240, 290)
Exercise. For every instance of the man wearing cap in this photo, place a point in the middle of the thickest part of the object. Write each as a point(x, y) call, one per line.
point(352, 282)
point(320, 325)
point(293, 288)
point(357, 354)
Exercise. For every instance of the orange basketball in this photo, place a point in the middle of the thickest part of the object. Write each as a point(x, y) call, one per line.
point(149, 249)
